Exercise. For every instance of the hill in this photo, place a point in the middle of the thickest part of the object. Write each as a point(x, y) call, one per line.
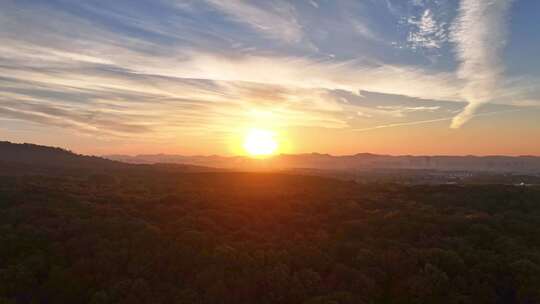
point(30, 158)
point(31, 154)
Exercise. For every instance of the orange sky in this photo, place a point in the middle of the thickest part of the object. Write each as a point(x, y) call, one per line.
point(489, 135)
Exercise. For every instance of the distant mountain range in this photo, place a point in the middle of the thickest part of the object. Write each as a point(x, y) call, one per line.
point(43, 156)
point(361, 161)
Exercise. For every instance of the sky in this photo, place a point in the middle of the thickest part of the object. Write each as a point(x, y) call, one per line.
point(340, 77)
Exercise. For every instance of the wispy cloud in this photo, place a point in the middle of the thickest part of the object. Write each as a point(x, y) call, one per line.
point(312, 73)
point(363, 30)
point(480, 35)
point(410, 109)
point(427, 32)
point(428, 121)
point(277, 20)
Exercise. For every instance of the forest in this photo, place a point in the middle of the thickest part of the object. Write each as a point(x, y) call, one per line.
point(166, 235)
point(79, 229)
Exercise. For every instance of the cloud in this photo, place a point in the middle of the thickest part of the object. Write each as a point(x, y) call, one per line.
point(278, 21)
point(410, 109)
point(427, 32)
point(41, 106)
point(117, 102)
point(392, 111)
point(60, 118)
point(428, 121)
point(305, 72)
point(480, 35)
point(364, 31)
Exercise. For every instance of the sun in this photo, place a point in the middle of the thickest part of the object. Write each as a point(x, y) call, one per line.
point(259, 142)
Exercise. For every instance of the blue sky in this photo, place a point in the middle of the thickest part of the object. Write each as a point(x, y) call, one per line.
point(189, 76)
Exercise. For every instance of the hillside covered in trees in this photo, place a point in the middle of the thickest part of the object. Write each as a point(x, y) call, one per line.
point(164, 235)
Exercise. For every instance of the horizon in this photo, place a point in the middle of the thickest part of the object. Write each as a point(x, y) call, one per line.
point(258, 78)
point(277, 154)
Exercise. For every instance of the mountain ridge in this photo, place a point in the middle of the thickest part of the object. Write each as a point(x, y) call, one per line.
point(33, 158)
point(31, 154)
point(358, 161)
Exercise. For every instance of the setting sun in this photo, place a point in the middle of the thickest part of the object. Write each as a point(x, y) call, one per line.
point(260, 142)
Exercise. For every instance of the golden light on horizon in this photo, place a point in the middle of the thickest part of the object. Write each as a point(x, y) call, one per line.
point(260, 142)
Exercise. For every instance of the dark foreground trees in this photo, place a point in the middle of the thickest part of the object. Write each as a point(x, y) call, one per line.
point(165, 237)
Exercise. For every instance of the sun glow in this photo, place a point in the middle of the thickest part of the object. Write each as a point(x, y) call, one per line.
point(260, 142)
